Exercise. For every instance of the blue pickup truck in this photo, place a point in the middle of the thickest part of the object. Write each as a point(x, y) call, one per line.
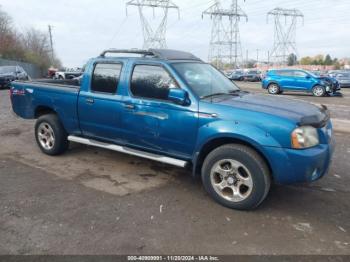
point(170, 106)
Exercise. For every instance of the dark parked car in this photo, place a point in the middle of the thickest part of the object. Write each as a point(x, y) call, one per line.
point(11, 73)
point(236, 76)
point(343, 79)
point(253, 76)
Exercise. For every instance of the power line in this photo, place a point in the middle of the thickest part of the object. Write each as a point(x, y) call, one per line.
point(154, 37)
point(225, 44)
point(285, 21)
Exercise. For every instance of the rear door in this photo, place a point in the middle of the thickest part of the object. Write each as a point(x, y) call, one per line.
point(286, 79)
point(100, 107)
point(153, 122)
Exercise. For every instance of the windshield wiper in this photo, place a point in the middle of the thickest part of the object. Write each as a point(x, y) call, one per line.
point(235, 91)
point(230, 93)
point(215, 94)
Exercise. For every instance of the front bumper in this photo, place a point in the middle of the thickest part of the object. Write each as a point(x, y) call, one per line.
point(293, 166)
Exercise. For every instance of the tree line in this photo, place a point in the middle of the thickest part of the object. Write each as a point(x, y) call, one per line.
point(316, 60)
point(31, 46)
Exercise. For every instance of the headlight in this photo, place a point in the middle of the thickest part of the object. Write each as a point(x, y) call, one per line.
point(304, 137)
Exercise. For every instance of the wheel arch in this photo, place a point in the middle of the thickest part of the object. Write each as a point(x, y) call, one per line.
point(43, 110)
point(274, 82)
point(214, 143)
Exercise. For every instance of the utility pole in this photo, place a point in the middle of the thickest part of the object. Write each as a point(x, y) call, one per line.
point(154, 37)
point(225, 44)
point(257, 56)
point(285, 33)
point(247, 59)
point(51, 44)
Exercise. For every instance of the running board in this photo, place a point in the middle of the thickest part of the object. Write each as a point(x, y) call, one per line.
point(130, 151)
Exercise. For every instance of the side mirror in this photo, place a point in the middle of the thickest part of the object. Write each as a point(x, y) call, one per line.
point(178, 96)
point(307, 77)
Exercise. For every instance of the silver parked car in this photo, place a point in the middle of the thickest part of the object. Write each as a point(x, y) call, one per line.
point(343, 79)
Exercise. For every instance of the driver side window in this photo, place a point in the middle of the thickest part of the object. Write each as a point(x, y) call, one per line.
point(300, 74)
point(150, 81)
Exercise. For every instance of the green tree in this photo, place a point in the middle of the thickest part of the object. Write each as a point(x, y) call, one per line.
point(306, 60)
point(292, 60)
point(31, 46)
point(328, 60)
point(318, 60)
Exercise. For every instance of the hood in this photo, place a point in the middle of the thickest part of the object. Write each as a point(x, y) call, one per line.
point(327, 78)
point(300, 112)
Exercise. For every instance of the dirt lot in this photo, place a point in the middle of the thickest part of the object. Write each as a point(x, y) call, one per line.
point(93, 201)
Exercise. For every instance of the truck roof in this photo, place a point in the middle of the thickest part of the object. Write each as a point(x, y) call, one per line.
point(162, 54)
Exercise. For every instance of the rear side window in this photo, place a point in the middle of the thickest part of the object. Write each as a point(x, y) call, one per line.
point(285, 73)
point(105, 78)
point(151, 82)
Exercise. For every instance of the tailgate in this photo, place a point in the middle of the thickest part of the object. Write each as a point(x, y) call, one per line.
point(21, 100)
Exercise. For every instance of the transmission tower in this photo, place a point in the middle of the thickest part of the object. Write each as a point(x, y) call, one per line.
point(225, 44)
point(154, 36)
point(285, 33)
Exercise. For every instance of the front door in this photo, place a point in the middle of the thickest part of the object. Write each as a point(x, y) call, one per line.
point(302, 80)
point(100, 108)
point(152, 121)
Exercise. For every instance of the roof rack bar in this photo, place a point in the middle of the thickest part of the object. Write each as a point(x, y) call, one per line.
point(166, 54)
point(128, 51)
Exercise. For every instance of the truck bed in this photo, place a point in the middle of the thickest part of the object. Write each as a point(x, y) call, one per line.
point(31, 98)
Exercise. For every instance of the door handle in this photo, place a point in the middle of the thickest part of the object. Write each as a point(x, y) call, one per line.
point(90, 100)
point(129, 106)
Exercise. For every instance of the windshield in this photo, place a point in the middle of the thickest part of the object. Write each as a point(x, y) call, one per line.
point(7, 69)
point(204, 79)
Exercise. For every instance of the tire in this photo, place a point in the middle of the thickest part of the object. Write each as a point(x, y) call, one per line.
point(273, 89)
point(252, 172)
point(60, 78)
point(50, 135)
point(318, 91)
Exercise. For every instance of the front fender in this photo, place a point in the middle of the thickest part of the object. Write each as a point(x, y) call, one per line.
point(246, 132)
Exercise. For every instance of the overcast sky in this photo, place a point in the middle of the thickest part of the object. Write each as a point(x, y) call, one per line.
point(83, 28)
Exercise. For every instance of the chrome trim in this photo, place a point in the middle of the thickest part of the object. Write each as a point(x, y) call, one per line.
point(207, 115)
point(130, 151)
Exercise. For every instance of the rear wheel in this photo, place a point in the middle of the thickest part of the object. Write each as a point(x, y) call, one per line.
point(318, 91)
point(236, 176)
point(50, 135)
point(273, 89)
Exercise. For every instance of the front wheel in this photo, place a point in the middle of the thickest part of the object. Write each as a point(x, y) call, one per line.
point(50, 135)
point(319, 91)
point(273, 89)
point(236, 176)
